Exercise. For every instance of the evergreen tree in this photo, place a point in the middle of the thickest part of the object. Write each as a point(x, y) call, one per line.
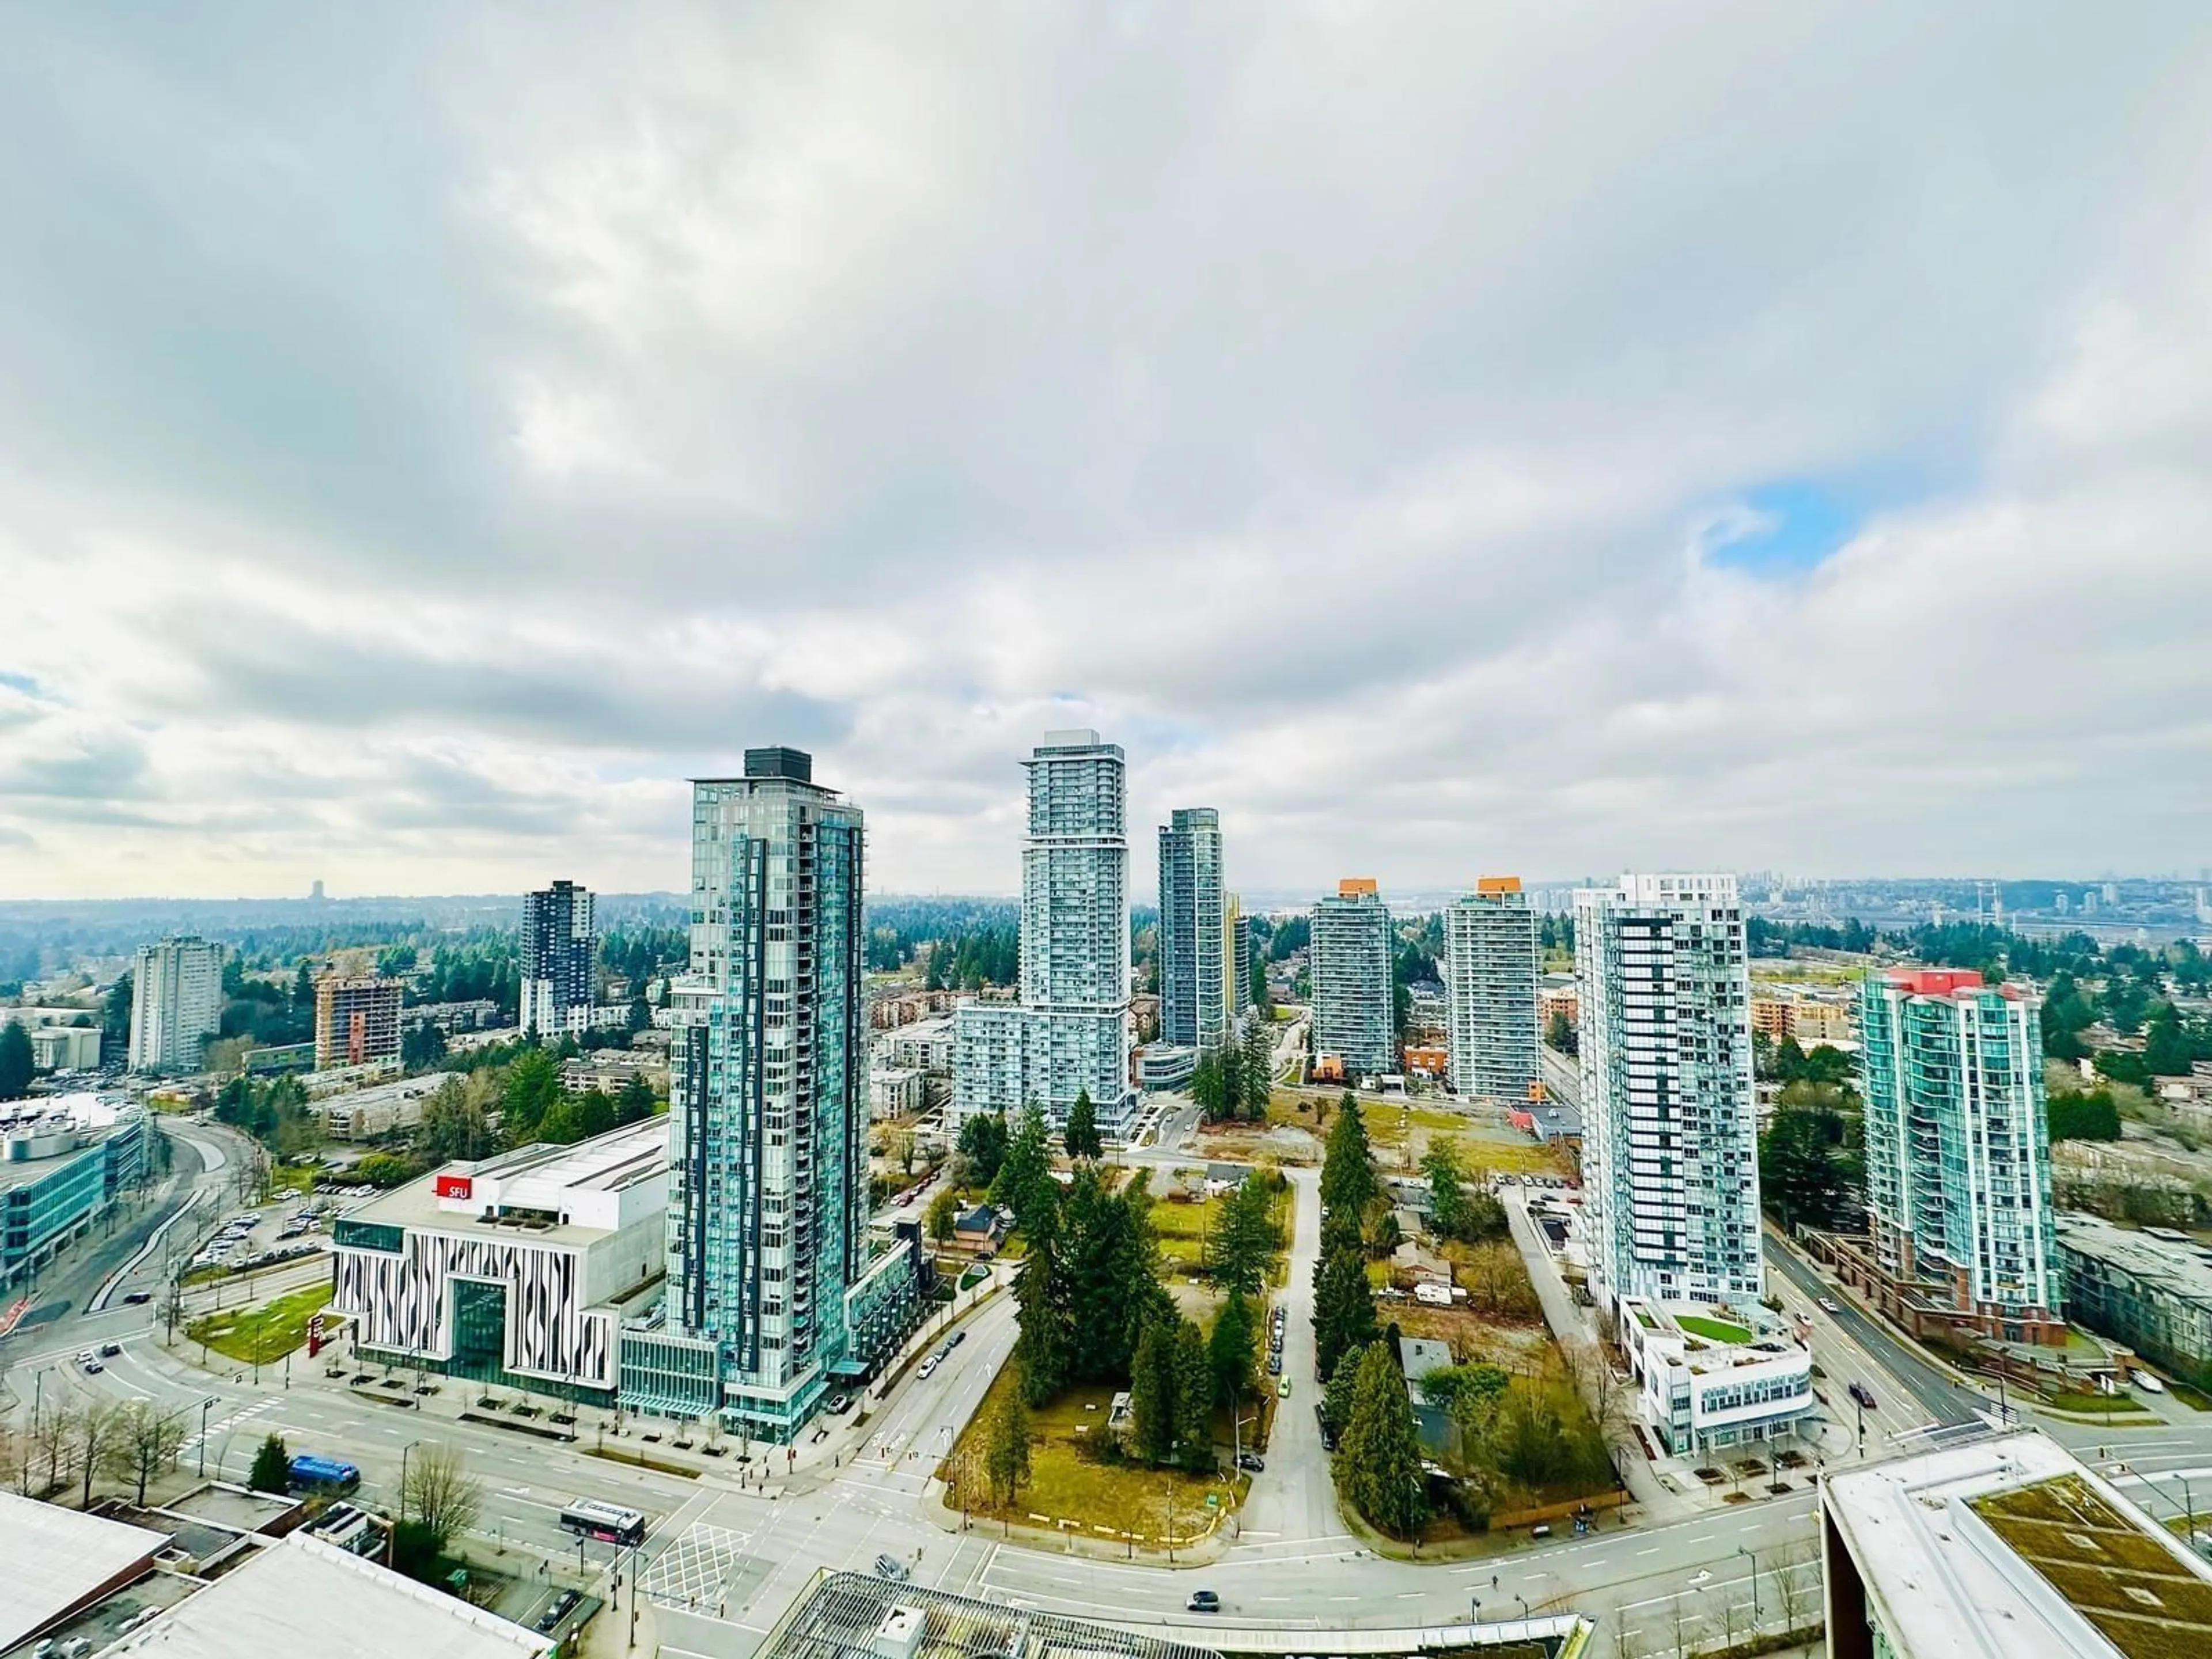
point(1259, 1061)
point(1231, 1351)
point(1343, 1308)
point(983, 1143)
point(1244, 1237)
point(18, 1064)
point(1024, 1183)
point(1041, 1312)
point(1007, 1456)
point(1083, 1138)
point(1194, 1388)
point(1381, 1468)
point(1347, 1168)
point(1152, 1394)
point(635, 1103)
point(1208, 1088)
point(1337, 1396)
point(273, 1465)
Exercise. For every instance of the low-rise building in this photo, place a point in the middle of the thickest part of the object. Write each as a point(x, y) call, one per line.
point(382, 1109)
point(64, 1160)
point(515, 1269)
point(897, 1091)
point(1709, 1381)
point(1161, 1068)
point(920, 1045)
point(2006, 1549)
point(2153, 1293)
point(212, 1580)
point(611, 1071)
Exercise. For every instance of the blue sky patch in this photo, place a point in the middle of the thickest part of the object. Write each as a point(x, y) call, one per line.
point(1782, 529)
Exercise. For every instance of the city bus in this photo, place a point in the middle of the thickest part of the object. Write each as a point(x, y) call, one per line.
point(323, 1472)
point(610, 1523)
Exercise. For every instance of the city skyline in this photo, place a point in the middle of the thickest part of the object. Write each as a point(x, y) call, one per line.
point(855, 387)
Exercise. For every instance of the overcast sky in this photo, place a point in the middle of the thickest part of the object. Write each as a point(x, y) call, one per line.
point(1447, 439)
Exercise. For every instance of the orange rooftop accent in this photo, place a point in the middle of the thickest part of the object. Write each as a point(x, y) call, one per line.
point(1499, 885)
point(1354, 886)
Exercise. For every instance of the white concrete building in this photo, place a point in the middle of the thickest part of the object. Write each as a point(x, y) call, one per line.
point(1709, 1381)
point(1670, 1152)
point(176, 1003)
point(922, 1045)
point(2007, 1548)
point(897, 1091)
point(514, 1268)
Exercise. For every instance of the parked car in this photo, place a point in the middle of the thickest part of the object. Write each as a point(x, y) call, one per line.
point(1203, 1601)
point(109, 1349)
point(1251, 1462)
point(1282, 1389)
point(891, 1567)
point(2146, 1382)
point(135, 1298)
point(1862, 1394)
point(1828, 1305)
point(839, 1404)
point(92, 1367)
point(1275, 1364)
point(1328, 1434)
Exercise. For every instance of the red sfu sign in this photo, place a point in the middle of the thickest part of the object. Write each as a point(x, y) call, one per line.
point(451, 1186)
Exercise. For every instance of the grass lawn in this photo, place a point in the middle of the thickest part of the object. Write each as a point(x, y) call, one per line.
point(1100, 1498)
point(259, 1336)
point(2196, 1398)
point(1713, 1330)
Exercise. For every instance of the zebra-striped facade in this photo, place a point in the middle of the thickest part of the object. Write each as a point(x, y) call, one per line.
point(403, 1299)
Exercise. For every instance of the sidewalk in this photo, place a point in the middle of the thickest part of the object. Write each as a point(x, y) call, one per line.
point(1660, 1502)
point(763, 1466)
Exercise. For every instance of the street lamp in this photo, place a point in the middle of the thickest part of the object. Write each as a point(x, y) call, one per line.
point(204, 1404)
point(1744, 1550)
point(404, 1450)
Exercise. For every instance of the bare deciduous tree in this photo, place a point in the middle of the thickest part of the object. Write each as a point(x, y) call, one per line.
point(440, 1493)
point(52, 1432)
point(143, 1442)
point(1796, 1587)
point(97, 1427)
point(1608, 1395)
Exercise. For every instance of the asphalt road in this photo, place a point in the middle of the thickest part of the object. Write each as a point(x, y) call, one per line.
point(1943, 1400)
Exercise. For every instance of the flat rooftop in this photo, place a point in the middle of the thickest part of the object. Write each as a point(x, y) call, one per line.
point(606, 1163)
point(2184, 1270)
point(2010, 1549)
point(56, 1558)
point(306, 1597)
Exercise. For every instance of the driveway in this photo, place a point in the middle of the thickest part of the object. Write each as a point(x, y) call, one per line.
point(1293, 1504)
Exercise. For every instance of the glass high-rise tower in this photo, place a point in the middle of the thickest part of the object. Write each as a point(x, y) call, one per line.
point(1957, 1154)
point(1349, 956)
point(1490, 983)
point(1196, 955)
point(1670, 1155)
point(1069, 1034)
point(557, 949)
point(767, 1109)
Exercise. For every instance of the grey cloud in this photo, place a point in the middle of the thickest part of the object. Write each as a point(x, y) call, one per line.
point(1326, 395)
